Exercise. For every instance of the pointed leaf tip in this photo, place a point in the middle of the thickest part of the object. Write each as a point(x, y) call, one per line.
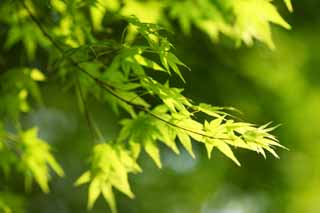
point(225, 149)
point(84, 178)
point(153, 151)
point(94, 192)
point(289, 5)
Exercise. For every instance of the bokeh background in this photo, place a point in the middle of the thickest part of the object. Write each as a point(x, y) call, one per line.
point(281, 85)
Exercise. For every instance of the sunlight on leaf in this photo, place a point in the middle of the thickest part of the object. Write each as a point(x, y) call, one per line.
point(37, 158)
point(37, 75)
point(110, 166)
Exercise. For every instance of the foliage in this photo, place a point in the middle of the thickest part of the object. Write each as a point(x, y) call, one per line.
point(124, 69)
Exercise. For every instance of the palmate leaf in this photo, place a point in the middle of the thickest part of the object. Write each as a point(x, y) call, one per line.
point(162, 125)
point(21, 30)
point(253, 18)
point(212, 17)
point(171, 97)
point(175, 119)
point(158, 44)
point(142, 130)
point(147, 131)
point(110, 166)
point(36, 158)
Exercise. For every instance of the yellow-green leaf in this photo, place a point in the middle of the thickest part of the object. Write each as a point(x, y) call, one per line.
point(37, 75)
point(121, 183)
point(94, 191)
point(55, 166)
point(147, 63)
point(225, 149)
point(209, 148)
point(153, 151)
point(186, 142)
point(289, 5)
point(84, 178)
point(109, 197)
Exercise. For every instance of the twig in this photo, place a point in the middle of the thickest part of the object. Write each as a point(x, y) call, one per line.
point(107, 87)
point(86, 111)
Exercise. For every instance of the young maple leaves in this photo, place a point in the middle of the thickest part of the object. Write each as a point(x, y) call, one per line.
point(128, 79)
point(36, 159)
point(31, 156)
point(110, 166)
point(174, 119)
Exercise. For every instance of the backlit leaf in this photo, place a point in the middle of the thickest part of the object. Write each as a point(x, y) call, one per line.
point(94, 191)
point(153, 151)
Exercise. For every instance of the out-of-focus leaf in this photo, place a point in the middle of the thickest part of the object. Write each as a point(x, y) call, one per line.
point(252, 20)
point(37, 75)
point(153, 151)
point(148, 63)
point(84, 178)
point(289, 5)
point(37, 158)
point(110, 166)
point(94, 191)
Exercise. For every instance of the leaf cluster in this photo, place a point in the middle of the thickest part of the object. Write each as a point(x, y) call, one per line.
point(121, 69)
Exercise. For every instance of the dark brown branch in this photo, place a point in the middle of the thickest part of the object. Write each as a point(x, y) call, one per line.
point(38, 23)
point(107, 87)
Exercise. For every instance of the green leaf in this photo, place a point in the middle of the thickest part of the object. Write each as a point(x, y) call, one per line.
point(173, 61)
point(153, 151)
point(55, 166)
point(37, 75)
point(172, 97)
point(109, 197)
point(289, 5)
point(225, 149)
point(186, 142)
point(209, 148)
point(120, 182)
point(110, 166)
point(147, 63)
point(140, 129)
point(118, 175)
point(37, 159)
point(129, 159)
point(135, 149)
point(168, 135)
point(84, 178)
point(94, 191)
point(252, 20)
point(213, 111)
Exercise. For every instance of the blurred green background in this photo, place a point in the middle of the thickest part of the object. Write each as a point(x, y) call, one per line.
point(281, 85)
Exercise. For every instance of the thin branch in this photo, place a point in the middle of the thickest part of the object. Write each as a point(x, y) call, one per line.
point(38, 23)
point(107, 87)
point(86, 111)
